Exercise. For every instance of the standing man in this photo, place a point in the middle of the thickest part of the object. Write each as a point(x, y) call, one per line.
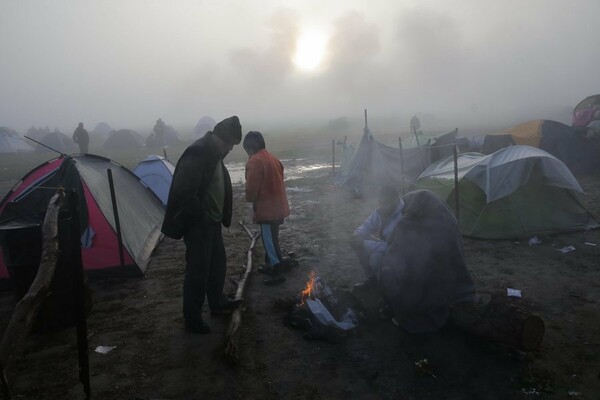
point(200, 200)
point(266, 190)
point(82, 138)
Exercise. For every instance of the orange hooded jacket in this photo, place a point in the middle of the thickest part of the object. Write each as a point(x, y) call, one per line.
point(265, 187)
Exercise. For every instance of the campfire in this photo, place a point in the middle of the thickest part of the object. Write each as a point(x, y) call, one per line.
point(317, 307)
point(310, 287)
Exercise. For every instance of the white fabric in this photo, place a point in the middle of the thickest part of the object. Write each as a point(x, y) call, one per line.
point(348, 320)
point(503, 172)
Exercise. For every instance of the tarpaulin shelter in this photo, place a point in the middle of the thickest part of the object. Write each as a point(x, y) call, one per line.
point(157, 173)
point(515, 192)
point(378, 164)
point(140, 212)
point(558, 139)
point(124, 138)
point(586, 111)
point(11, 142)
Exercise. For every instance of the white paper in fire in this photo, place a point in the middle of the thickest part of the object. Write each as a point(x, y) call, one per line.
point(347, 321)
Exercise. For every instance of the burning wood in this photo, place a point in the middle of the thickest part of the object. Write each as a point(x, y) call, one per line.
point(310, 287)
point(317, 307)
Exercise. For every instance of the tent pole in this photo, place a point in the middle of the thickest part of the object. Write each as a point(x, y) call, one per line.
point(113, 198)
point(456, 194)
point(165, 152)
point(401, 165)
point(80, 307)
point(333, 158)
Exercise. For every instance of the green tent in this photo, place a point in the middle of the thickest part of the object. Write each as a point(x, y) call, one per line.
point(516, 192)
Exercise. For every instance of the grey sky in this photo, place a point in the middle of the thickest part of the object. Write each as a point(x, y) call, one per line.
point(128, 62)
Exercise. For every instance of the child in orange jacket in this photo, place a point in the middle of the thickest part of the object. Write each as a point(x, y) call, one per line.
point(265, 188)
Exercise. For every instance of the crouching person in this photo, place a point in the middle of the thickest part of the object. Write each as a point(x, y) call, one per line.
point(370, 239)
point(423, 271)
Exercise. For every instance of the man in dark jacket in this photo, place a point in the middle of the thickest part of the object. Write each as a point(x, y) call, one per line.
point(82, 138)
point(200, 200)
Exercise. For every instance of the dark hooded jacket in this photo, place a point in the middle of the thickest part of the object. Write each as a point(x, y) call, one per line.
point(424, 270)
point(192, 176)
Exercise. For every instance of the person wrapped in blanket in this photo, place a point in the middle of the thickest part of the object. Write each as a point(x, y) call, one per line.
point(419, 269)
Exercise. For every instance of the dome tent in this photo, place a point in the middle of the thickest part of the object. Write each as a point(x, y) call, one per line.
point(140, 211)
point(124, 138)
point(558, 139)
point(515, 192)
point(58, 141)
point(157, 173)
point(204, 125)
point(102, 129)
point(11, 142)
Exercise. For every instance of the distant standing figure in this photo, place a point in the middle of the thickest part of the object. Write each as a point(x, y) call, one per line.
point(82, 138)
point(265, 189)
point(200, 201)
point(159, 132)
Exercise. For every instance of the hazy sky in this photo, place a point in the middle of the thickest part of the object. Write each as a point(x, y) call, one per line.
point(128, 62)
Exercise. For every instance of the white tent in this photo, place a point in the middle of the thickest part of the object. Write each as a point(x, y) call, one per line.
point(10, 144)
point(157, 173)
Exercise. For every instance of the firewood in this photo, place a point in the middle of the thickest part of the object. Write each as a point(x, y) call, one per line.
point(502, 320)
point(232, 335)
point(27, 308)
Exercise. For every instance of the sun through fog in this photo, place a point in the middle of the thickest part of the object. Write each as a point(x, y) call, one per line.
point(310, 50)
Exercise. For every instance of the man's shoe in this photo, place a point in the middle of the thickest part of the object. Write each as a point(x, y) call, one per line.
point(198, 327)
point(226, 308)
point(274, 280)
point(289, 262)
point(267, 269)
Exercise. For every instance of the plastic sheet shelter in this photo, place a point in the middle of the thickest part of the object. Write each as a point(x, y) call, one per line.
point(376, 164)
point(516, 192)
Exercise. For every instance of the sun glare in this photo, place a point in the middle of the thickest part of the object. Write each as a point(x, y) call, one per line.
point(310, 49)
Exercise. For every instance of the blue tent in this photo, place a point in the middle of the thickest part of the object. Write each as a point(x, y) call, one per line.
point(156, 172)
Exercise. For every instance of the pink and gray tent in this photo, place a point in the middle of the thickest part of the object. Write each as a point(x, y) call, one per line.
point(140, 213)
point(586, 111)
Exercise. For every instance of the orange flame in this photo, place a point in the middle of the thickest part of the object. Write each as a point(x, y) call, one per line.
point(310, 286)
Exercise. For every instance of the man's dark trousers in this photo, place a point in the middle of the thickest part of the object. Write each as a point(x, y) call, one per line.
point(204, 269)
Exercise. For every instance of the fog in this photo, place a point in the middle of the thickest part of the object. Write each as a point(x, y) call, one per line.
point(460, 63)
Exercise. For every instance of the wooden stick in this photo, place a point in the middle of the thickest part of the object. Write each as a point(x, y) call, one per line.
point(456, 193)
point(27, 308)
point(233, 330)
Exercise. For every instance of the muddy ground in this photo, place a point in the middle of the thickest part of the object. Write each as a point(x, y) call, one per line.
point(155, 358)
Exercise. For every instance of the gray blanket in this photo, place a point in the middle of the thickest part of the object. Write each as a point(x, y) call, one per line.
point(424, 270)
